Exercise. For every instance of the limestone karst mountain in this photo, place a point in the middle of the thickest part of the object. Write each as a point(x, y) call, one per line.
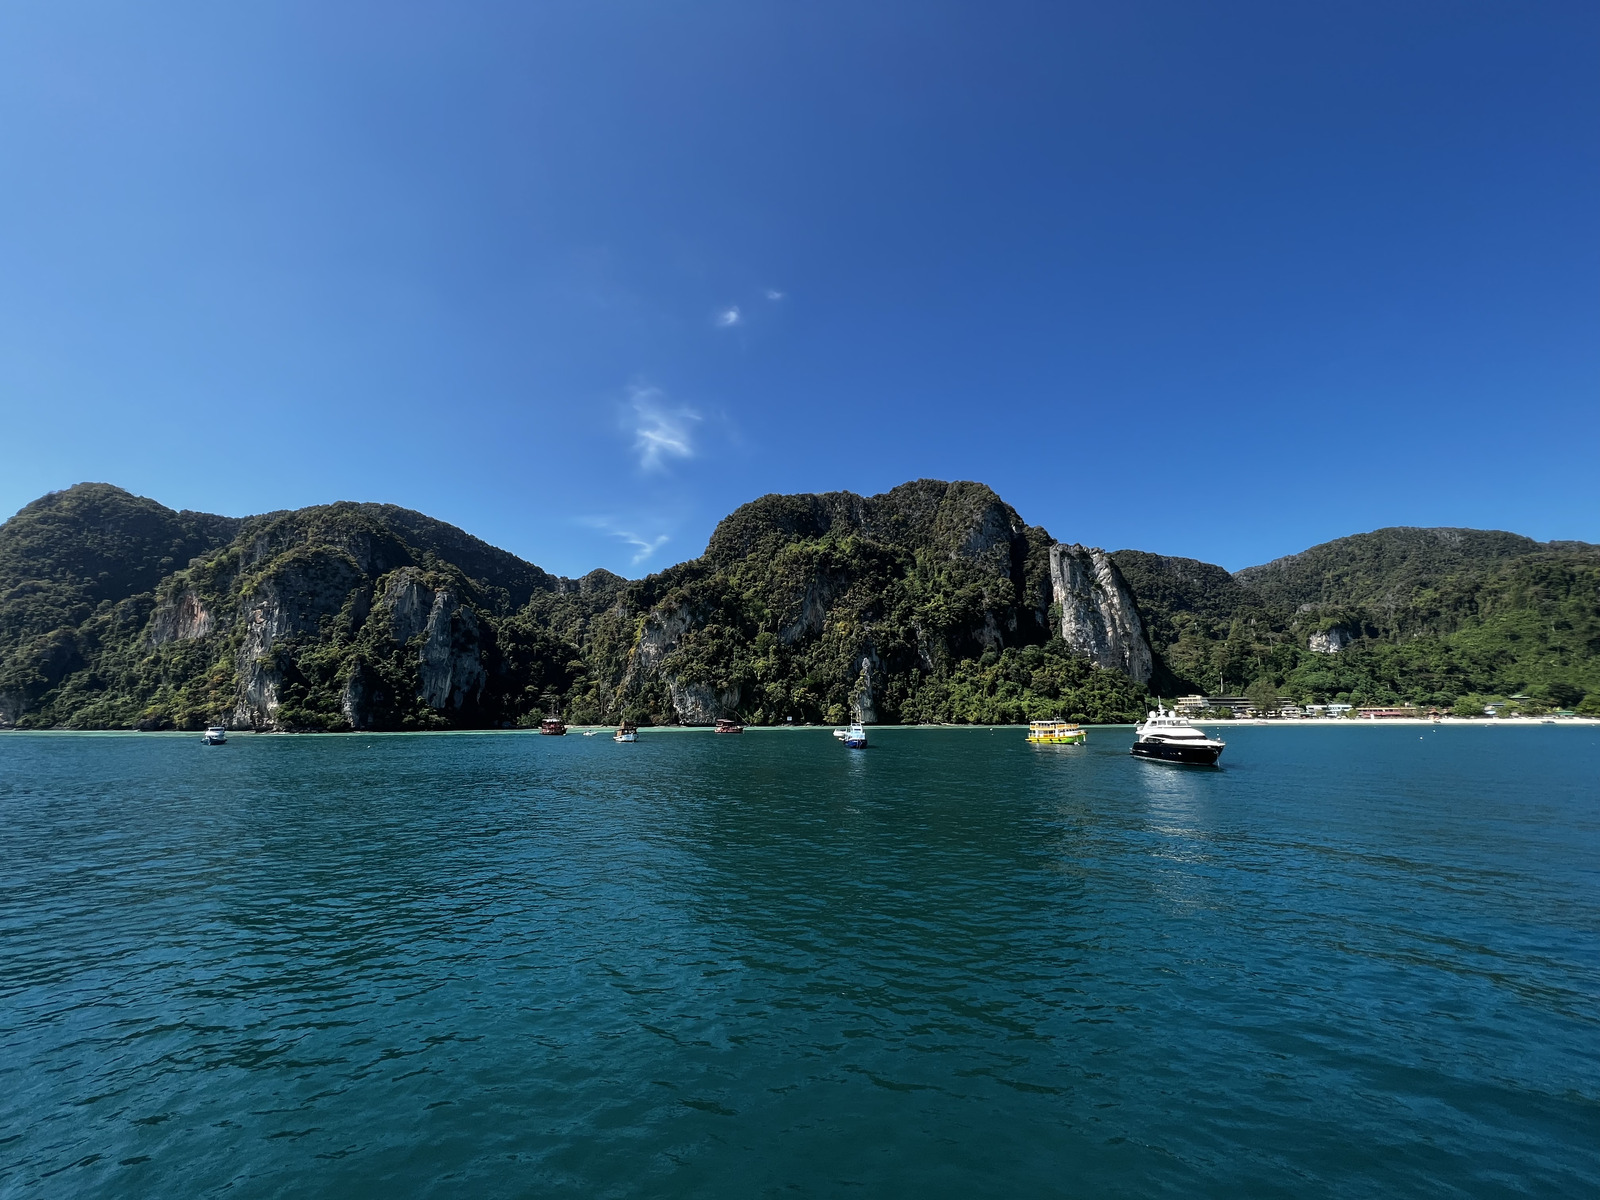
point(116, 612)
point(931, 602)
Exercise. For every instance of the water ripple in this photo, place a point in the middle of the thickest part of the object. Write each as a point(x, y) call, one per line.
point(1353, 963)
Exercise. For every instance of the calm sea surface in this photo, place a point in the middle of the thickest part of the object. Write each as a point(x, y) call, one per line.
point(1355, 962)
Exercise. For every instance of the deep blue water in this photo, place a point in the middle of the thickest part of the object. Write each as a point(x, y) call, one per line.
point(1355, 962)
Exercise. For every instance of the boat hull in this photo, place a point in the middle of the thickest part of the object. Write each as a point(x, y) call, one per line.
point(855, 743)
point(625, 737)
point(1195, 756)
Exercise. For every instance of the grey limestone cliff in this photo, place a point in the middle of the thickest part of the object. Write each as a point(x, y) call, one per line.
point(291, 599)
point(693, 702)
point(450, 671)
point(183, 618)
point(1098, 616)
point(1328, 641)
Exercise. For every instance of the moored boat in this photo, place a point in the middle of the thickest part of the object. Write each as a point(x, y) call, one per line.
point(1056, 733)
point(1169, 738)
point(724, 725)
point(854, 737)
point(626, 732)
point(553, 726)
point(216, 735)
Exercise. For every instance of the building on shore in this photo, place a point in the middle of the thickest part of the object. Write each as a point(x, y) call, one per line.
point(1193, 706)
point(1388, 714)
point(1327, 710)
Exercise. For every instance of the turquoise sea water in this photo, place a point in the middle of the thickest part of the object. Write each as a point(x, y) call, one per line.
point(1355, 962)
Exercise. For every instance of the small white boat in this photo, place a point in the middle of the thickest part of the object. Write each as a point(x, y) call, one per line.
point(626, 732)
point(215, 736)
point(854, 738)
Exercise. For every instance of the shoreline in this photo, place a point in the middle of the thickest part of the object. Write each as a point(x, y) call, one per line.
point(580, 730)
point(1482, 722)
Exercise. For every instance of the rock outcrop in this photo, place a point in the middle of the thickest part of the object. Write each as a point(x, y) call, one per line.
point(693, 702)
point(293, 598)
point(862, 705)
point(1328, 641)
point(700, 703)
point(182, 618)
point(1098, 616)
point(663, 628)
point(450, 670)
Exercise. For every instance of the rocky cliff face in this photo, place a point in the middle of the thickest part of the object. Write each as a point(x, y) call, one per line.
point(450, 669)
point(294, 597)
point(863, 705)
point(184, 618)
point(700, 703)
point(1099, 618)
point(692, 702)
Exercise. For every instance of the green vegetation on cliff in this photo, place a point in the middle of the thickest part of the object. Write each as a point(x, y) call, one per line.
point(934, 602)
point(929, 603)
point(1422, 616)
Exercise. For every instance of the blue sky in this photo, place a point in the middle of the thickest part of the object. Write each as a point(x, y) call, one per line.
point(1218, 280)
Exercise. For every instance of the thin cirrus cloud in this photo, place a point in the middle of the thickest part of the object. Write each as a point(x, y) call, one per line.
point(644, 547)
point(774, 294)
point(660, 432)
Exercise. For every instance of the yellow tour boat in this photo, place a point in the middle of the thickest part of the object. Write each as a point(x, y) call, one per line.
point(1056, 733)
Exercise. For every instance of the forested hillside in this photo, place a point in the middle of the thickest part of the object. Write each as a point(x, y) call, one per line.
point(930, 603)
point(1430, 616)
point(933, 602)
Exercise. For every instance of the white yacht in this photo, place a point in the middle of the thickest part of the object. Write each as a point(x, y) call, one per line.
point(855, 737)
point(216, 736)
point(1169, 737)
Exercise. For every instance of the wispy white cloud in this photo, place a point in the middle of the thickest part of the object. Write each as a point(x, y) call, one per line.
point(729, 317)
point(660, 432)
point(644, 546)
point(774, 294)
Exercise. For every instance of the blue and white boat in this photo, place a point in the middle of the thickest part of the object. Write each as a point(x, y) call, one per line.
point(854, 738)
